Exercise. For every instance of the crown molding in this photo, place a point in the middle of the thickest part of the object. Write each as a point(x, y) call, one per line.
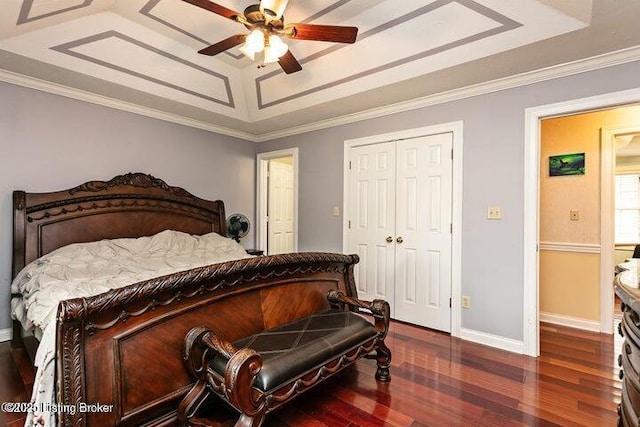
point(557, 71)
point(69, 92)
point(544, 74)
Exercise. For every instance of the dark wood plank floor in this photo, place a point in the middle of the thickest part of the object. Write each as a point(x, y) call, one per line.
point(439, 381)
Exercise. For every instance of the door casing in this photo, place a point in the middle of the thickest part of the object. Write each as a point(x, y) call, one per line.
point(533, 115)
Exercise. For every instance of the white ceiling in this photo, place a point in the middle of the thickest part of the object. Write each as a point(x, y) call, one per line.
point(628, 145)
point(141, 55)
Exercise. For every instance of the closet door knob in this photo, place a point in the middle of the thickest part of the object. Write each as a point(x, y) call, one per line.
point(389, 239)
point(399, 240)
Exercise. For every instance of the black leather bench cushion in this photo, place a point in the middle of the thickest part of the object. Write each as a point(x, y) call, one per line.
point(292, 349)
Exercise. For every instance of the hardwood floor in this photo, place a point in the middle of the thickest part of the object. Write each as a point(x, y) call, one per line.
point(438, 381)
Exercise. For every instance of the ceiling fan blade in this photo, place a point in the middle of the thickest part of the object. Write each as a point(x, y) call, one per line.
point(215, 8)
point(289, 63)
point(325, 33)
point(223, 45)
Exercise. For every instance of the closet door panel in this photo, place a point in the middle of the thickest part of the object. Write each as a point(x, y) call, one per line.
point(423, 242)
point(372, 213)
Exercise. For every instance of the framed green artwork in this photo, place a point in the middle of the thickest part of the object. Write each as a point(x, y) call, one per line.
point(566, 164)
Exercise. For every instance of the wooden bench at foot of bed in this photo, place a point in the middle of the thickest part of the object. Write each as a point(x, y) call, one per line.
point(258, 373)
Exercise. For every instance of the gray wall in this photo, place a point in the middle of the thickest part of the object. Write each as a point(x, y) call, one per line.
point(492, 251)
point(68, 141)
point(51, 142)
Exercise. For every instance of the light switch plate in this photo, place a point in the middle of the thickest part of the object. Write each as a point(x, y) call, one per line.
point(466, 301)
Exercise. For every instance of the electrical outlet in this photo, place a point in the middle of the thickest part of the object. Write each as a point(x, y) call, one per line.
point(494, 212)
point(466, 301)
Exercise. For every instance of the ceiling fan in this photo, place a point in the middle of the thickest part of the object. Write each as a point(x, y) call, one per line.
point(266, 23)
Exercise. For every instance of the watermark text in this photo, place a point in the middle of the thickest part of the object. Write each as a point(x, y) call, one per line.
point(40, 407)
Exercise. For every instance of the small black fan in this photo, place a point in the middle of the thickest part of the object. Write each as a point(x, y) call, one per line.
point(237, 226)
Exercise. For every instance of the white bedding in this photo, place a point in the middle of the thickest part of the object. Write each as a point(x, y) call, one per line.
point(87, 269)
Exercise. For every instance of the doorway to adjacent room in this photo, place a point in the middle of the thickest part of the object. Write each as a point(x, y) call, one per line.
point(277, 201)
point(605, 245)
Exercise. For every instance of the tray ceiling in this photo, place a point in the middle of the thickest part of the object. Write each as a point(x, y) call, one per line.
point(143, 53)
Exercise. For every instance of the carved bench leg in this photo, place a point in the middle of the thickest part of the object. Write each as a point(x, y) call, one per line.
point(383, 360)
point(191, 402)
point(247, 421)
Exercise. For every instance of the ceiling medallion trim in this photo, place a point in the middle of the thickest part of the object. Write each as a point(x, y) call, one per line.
point(67, 49)
point(25, 11)
point(505, 24)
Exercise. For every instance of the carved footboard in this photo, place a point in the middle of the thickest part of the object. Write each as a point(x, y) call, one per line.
point(123, 348)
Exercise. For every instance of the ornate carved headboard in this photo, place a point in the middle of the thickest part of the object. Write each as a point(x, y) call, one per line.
point(130, 205)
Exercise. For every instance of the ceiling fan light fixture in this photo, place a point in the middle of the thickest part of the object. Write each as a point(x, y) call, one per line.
point(255, 41)
point(266, 20)
point(247, 52)
point(275, 49)
point(273, 8)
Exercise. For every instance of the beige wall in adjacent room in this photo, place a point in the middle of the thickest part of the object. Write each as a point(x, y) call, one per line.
point(569, 279)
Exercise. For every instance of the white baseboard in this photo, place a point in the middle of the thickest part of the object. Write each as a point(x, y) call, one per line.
point(495, 341)
point(571, 322)
point(6, 334)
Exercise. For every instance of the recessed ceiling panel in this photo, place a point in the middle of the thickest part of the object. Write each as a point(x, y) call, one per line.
point(123, 54)
point(175, 18)
point(421, 40)
point(151, 47)
point(39, 9)
point(112, 48)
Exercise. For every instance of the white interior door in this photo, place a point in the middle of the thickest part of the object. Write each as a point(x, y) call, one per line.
point(280, 208)
point(400, 213)
point(423, 231)
point(372, 213)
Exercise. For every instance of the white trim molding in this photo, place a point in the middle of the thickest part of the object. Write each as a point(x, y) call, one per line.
point(491, 340)
point(80, 95)
point(571, 322)
point(585, 248)
point(562, 70)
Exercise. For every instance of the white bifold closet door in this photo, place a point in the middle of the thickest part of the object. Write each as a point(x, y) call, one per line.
point(400, 226)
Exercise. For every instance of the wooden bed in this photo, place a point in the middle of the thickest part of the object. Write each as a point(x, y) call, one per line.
point(123, 347)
